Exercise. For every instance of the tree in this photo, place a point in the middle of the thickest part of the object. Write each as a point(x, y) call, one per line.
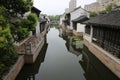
point(54, 17)
point(30, 22)
point(5, 37)
point(5, 33)
point(15, 7)
point(110, 7)
point(22, 33)
point(10, 9)
point(93, 14)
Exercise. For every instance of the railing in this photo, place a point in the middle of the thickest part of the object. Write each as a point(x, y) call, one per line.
point(108, 46)
point(108, 39)
point(29, 46)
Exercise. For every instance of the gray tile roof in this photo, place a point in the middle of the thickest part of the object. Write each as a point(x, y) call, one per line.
point(111, 19)
point(80, 19)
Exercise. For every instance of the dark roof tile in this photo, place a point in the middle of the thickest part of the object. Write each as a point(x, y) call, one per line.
point(80, 19)
point(111, 19)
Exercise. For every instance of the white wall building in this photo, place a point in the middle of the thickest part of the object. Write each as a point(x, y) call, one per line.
point(77, 13)
point(72, 6)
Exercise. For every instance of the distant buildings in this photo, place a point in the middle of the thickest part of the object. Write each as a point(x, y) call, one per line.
point(104, 3)
point(94, 7)
point(73, 17)
point(72, 5)
point(100, 5)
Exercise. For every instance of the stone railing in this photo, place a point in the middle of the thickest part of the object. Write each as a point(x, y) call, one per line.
point(29, 46)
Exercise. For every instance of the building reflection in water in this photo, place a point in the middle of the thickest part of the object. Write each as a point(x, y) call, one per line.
point(29, 71)
point(92, 67)
point(71, 43)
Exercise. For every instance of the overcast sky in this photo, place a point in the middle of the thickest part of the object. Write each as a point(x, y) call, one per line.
point(54, 7)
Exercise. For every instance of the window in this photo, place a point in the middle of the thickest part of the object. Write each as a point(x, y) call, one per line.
point(87, 29)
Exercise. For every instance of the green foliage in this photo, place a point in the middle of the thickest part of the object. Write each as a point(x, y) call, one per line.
point(13, 7)
point(107, 9)
point(9, 9)
point(77, 40)
point(31, 22)
point(18, 22)
point(5, 33)
point(5, 37)
point(55, 26)
point(54, 17)
point(23, 26)
point(3, 16)
point(17, 6)
point(22, 33)
point(110, 7)
point(4, 12)
point(102, 12)
point(2, 20)
point(3, 42)
point(93, 14)
point(8, 54)
point(8, 57)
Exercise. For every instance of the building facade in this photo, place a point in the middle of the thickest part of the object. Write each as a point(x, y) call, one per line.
point(102, 39)
point(94, 7)
point(76, 17)
point(104, 3)
point(71, 19)
point(100, 5)
point(72, 5)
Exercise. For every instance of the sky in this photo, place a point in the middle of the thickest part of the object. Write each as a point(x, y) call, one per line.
point(56, 7)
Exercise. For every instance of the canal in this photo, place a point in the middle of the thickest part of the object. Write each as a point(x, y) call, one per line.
point(64, 57)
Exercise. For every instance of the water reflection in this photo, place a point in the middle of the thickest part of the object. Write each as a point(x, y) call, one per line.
point(65, 58)
point(72, 42)
point(28, 72)
point(93, 69)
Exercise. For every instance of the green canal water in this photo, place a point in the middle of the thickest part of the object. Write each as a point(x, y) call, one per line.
point(64, 57)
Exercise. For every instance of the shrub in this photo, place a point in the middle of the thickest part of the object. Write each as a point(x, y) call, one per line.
point(32, 21)
point(103, 12)
point(110, 7)
point(93, 14)
point(22, 33)
point(5, 37)
point(2, 20)
point(8, 57)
